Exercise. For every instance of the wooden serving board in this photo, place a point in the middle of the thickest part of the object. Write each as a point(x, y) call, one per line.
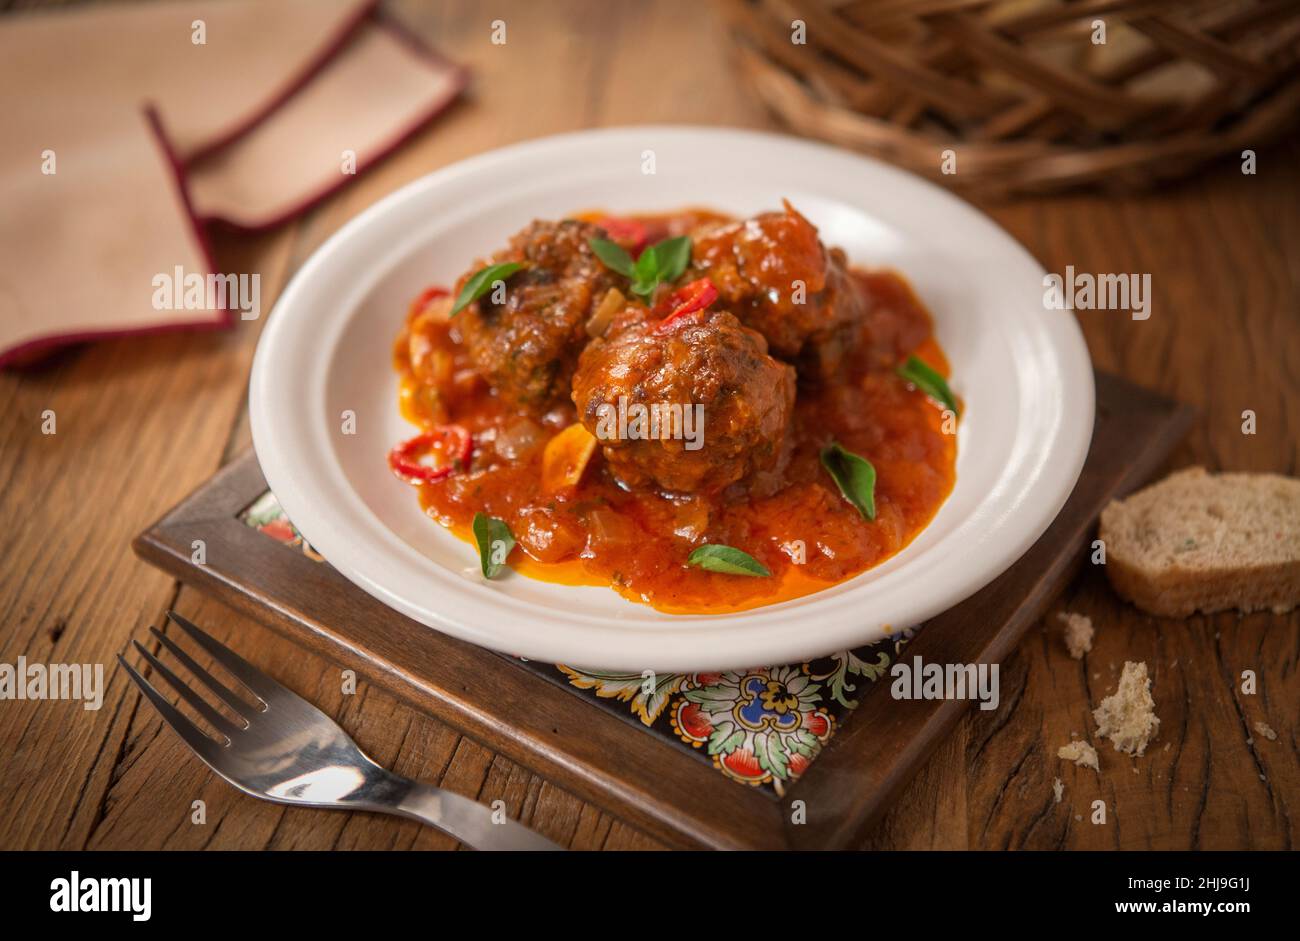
point(649, 760)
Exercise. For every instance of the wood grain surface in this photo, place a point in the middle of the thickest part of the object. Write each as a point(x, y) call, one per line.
point(526, 714)
point(143, 421)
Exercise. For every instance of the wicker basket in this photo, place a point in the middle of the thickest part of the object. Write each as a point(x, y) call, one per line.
point(1020, 91)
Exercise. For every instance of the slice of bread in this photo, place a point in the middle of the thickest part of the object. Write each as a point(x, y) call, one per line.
point(1206, 542)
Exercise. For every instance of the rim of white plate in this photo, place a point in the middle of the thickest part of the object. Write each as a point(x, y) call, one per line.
point(1051, 378)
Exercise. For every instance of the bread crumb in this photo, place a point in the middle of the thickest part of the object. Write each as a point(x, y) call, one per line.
point(1265, 730)
point(1078, 633)
point(1127, 717)
point(1081, 753)
point(1058, 789)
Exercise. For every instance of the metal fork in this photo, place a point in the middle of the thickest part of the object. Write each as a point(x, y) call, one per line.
point(288, 751)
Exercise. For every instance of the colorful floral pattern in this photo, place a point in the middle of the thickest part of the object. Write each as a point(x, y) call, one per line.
point(647, 692)
point(267, 516)
point(761, 726)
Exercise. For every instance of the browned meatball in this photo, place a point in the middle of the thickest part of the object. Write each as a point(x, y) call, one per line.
point(708, 359)
point(757, 265)
point(527, 347)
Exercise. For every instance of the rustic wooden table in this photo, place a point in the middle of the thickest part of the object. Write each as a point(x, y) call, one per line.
point(143, 421)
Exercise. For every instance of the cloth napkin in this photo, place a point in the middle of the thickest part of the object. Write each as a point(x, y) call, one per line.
point(126, 138)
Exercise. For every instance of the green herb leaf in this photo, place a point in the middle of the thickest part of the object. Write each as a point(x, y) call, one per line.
point(645, 276)
point(481, 282)
point(855, 477)
point(494, 543)
point(614, 256)
point(661, 263)
point(671, 257)
point(727, 560)
point(930, 382)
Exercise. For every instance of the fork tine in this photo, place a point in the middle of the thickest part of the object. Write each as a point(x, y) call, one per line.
point(257, 682)
point(191, 734)
point(214, 718)
point(236, 703)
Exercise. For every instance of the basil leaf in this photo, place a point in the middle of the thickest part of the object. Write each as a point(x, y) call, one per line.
point(646, 265)
point(481, 282)
point(661, 263)
point(646, 275)
point(928, 381)
point(494, 542)
point(727, 560)
point(673, 255)
point(614, 256)
point(855, 477)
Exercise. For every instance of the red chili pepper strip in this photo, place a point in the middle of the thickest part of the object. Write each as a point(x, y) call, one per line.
point(426, 296)
point(628, 233)
point(451, 442)
point(687, 300)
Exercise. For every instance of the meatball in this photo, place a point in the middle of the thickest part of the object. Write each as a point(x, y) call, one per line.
point(528, 346)
point(723, 404)
point(757, 265)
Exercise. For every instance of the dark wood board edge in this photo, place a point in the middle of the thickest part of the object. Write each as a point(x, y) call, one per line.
point(656, 787)
point(873, 757)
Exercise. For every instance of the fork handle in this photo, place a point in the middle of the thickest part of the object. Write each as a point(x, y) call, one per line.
point(468, 821)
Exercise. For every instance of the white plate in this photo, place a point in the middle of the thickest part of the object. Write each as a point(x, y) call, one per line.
point(1022, 369)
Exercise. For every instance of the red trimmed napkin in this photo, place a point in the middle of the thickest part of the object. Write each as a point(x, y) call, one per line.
point(130, 130)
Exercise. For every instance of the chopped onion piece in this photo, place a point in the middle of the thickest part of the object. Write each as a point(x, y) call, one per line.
point(518, 439)
point(610, 304)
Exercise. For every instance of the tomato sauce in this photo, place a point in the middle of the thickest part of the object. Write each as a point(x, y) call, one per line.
point(806, 533)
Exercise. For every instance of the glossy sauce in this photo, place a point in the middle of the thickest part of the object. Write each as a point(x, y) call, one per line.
point(638, 543)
